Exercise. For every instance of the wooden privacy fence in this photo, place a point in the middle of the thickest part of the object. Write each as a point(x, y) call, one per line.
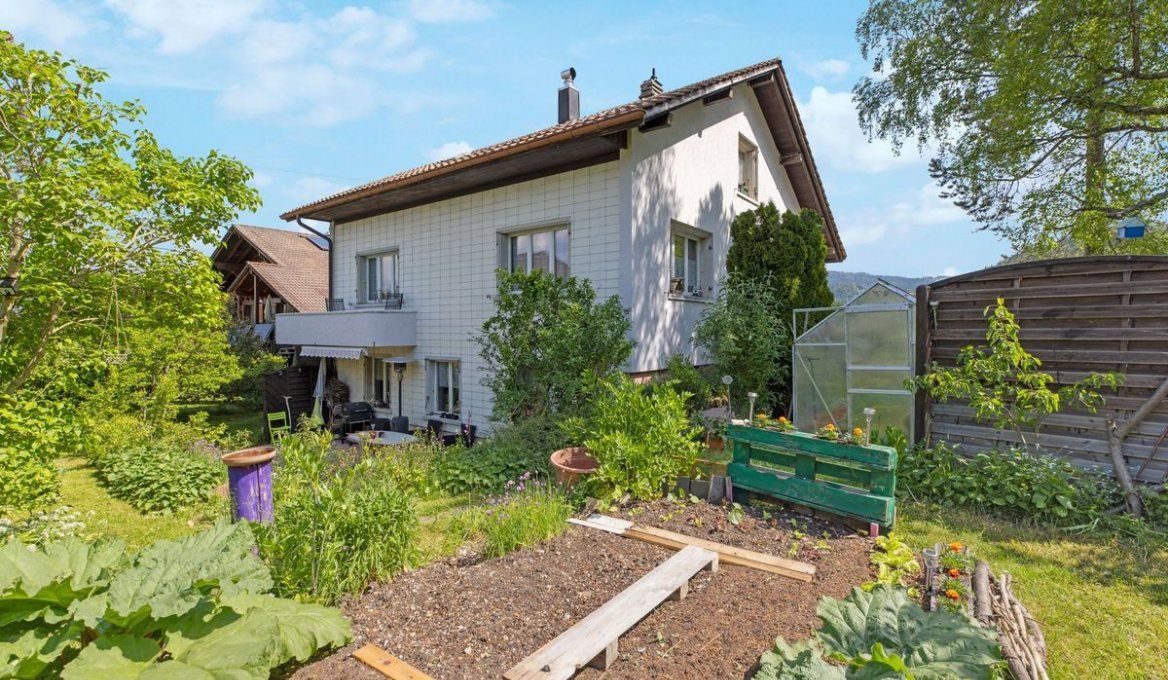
point(294, 382)
point(1079, 316)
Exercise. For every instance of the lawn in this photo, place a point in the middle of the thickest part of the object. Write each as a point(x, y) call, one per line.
point(107, 516)
point(234, 416)
point(1102, 602)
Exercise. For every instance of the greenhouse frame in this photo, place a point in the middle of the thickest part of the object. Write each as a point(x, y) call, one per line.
point(852, 357)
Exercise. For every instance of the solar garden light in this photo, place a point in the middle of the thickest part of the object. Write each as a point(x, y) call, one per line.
point(726, 380)
point(752, 396)
point(868, 413)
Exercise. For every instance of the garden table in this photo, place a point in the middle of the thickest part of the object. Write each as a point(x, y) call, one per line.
point(383, 437)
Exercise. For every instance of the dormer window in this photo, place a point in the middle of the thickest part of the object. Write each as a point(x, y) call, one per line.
point(747, 168)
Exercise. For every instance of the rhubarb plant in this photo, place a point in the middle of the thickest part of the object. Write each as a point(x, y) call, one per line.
point(195, 607)
point(882, 633)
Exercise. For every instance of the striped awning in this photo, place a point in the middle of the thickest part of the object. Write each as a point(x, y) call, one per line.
point(332, 352)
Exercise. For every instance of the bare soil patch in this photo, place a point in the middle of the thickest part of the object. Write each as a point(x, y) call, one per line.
point(478, 620)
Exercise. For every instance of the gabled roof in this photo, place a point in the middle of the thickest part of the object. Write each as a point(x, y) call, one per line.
point(767, 78)
point(293, 264)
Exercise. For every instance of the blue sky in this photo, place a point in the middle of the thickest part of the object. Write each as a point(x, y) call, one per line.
point(317, 96)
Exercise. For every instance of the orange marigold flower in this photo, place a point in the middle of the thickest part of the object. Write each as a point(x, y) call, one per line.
point(954, 573)
point(783, 419)
point(761, 415)
point(956, 546)
point(952, 594)
point(859, 431)
point(831, 426)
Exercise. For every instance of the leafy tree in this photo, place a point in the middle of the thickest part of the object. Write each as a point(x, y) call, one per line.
point(255, 361)
point(88, 202)
point(1005, 385)
point(547, 339)
point(1046, 119)
point(742, 337)
point(786, 252)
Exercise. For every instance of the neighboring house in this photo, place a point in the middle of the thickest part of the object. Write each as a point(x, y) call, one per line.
point(637, 198)
point(271, 271)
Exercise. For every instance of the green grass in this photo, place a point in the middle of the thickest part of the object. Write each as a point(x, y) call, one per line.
point(107, 516)
point(234, 416)
point(1102, 602)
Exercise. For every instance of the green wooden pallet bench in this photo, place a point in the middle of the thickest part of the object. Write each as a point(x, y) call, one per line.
point(845, 479)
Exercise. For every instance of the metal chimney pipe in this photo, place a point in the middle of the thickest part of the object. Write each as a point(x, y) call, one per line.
point(569, 97)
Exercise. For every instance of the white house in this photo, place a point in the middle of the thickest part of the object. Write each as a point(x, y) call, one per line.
point(637, 198)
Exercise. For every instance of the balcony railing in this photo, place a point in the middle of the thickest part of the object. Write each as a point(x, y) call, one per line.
point(360, 327)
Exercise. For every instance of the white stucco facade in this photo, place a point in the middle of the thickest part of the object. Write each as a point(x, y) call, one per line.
point(621, 216)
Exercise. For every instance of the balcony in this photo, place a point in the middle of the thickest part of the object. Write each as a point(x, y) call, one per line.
point(373, 327)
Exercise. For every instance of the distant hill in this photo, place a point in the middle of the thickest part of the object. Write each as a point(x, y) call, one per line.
point(847, 285)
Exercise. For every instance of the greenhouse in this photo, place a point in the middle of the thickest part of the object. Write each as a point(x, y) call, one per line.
point(853, 357)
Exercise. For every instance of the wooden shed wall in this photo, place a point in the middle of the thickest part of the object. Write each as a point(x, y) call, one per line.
point(1080, 315)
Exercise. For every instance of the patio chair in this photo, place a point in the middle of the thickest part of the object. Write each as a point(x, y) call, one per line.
point(334, 304)
point(394, 301)
point(278, 426)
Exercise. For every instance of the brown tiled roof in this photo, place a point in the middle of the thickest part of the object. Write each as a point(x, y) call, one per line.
point(609, 120)
point(297, 269)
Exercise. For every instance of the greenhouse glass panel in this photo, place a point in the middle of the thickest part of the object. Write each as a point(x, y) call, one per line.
point(891, 409)
point(878, 338)
point(821, 386)
point(879, 380)
point(830, 329)
point(859, 355)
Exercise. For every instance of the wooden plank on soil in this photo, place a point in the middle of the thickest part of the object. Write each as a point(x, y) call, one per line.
point(592, 639)
point(728, 554)
point(388, 665)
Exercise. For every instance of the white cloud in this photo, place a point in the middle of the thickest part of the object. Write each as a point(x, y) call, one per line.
point(443, 11)
point(827, 68)
point(900, 218)
point(322, 70)
point(839, 143)
point(950, 271)
point(185, 25)
point(448, 150)
point(45, 19)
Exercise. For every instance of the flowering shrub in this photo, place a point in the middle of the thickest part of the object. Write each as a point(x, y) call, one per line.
point(44, 526)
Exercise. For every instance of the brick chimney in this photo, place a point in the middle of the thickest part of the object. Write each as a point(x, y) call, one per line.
point(651, 87)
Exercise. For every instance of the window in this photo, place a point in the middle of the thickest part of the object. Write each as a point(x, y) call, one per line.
point(747, 168)
point(377, 381)
point(380, 276)
point(686, 278)
point(545, 250)
point(445, 388)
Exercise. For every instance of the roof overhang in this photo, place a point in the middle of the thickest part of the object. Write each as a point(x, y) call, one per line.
point(574, 148)
point(332, 352)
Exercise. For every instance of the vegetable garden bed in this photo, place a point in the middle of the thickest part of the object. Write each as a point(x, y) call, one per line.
point(459, 620)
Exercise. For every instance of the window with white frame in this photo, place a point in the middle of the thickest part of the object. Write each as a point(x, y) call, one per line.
point(445, 387)
point(747, 168)
point(543, 250)
point(379, 276)
point(377, 381)
point(688, 255)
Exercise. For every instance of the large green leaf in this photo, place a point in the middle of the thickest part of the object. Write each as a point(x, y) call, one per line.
point(801, 661)
point(169, 577)
point(60, 571)
point(112, 657)
point(303, 628)
point(28, 654)
point(937, 644)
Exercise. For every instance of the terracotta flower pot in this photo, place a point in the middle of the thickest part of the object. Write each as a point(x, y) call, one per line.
point(571, 464)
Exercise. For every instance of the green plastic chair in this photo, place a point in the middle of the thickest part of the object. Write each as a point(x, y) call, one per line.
point(278, 426)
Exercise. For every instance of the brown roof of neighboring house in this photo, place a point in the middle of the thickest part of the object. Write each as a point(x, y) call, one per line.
point(610, 121)
point(291, 263)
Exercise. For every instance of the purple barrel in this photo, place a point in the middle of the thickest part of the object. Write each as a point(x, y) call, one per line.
point(249, 479)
